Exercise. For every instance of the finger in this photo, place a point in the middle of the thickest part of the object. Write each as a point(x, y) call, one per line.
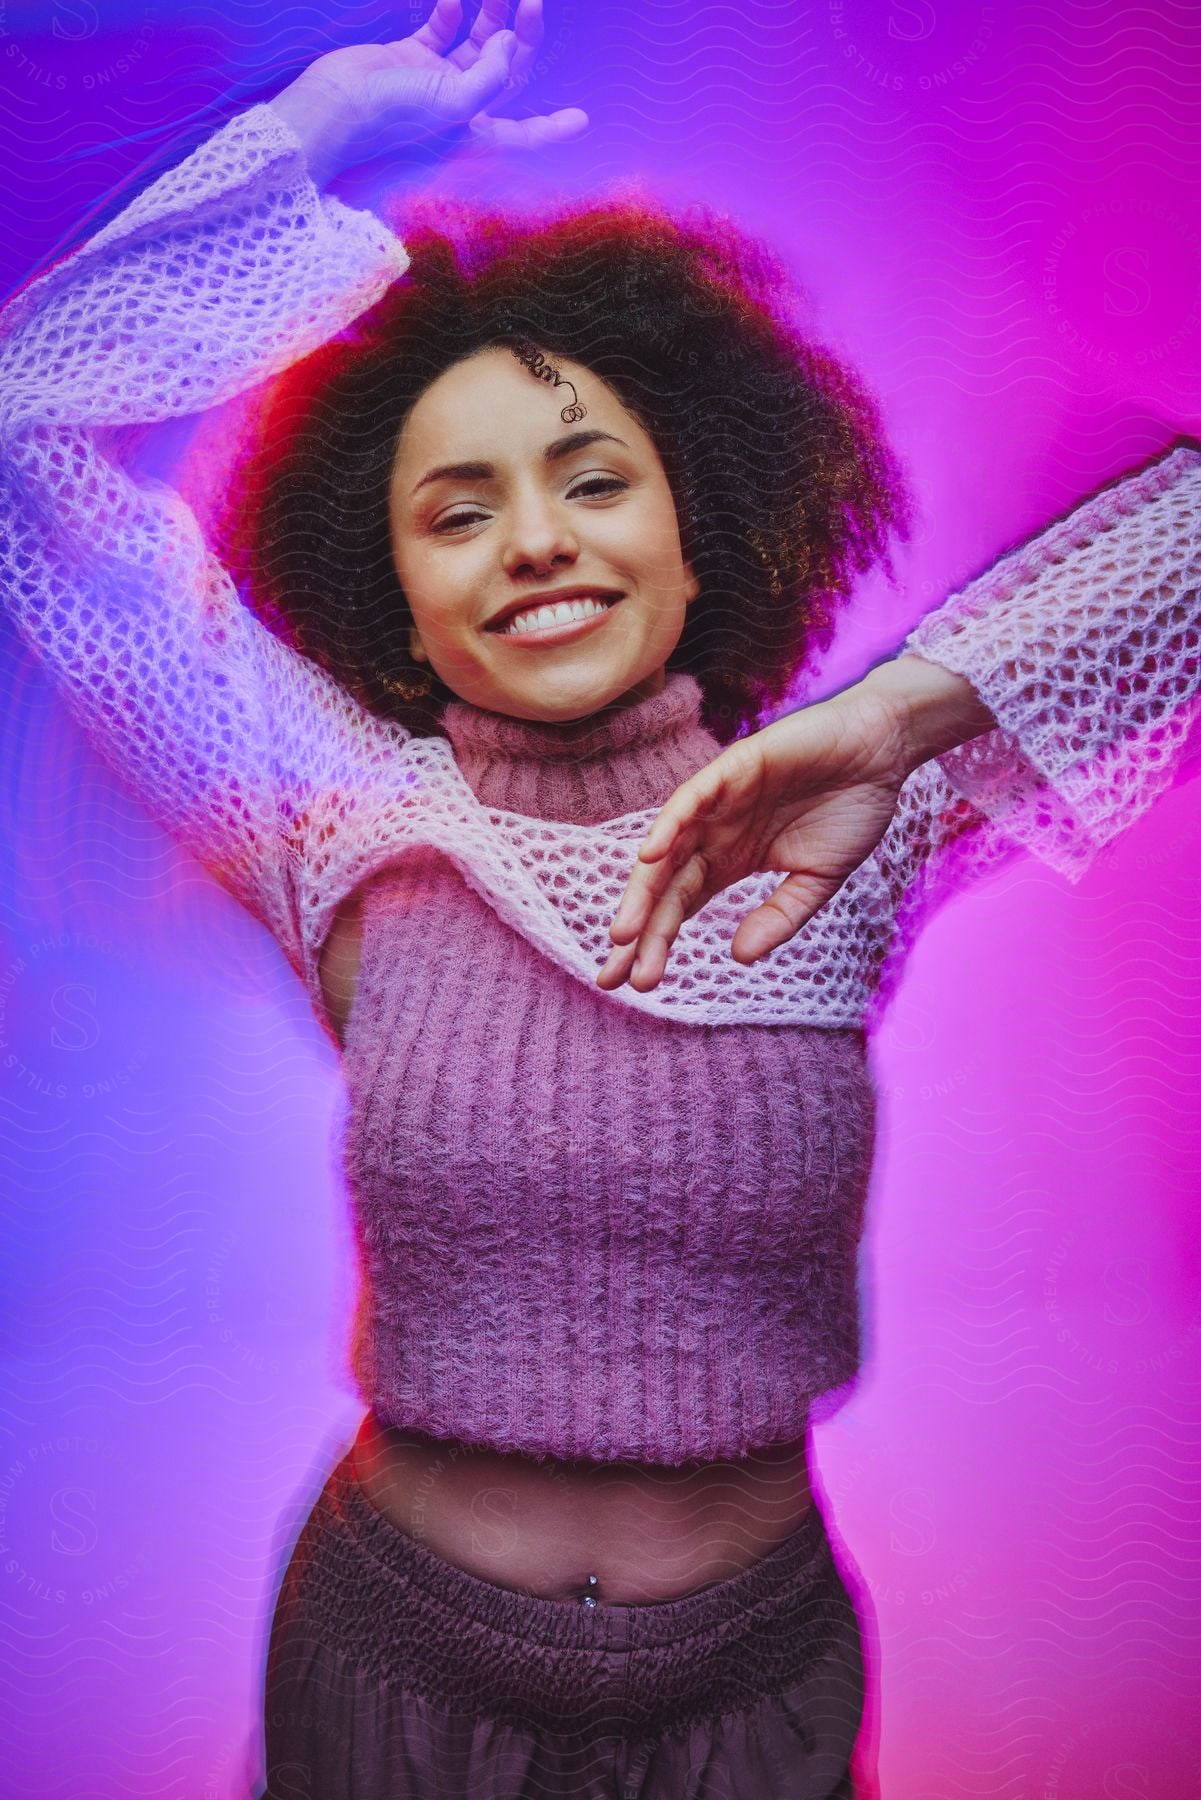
point(488, 21)
point(642, 891)
point(661, 837)
point(702, 797)
point(527, 24)
point(780, 916)
point(667, 846)
point(663, 926)
point(647, 882)
point(616, 967)
point(485, 79)
point(703, 876)
point(528, 134)
point(438, 32)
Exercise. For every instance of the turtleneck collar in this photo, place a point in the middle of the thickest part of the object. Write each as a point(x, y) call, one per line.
point(588, 769)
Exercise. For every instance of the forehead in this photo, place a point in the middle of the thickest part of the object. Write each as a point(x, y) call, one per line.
point(491, 403)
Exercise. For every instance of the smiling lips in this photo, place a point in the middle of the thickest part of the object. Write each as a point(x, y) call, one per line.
point(548, 621)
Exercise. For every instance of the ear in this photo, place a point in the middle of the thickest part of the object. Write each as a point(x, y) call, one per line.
point(417, 649)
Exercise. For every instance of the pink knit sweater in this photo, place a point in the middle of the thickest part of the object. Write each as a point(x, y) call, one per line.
point(600, 1225)
point(584, 1230)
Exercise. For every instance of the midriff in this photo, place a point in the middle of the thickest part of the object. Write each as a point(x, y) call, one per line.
point(542, 1526)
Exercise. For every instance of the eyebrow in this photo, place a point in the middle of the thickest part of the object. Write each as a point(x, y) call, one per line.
point(554, 452)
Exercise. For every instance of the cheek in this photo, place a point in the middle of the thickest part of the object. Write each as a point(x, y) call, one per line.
point(664, 551)
point(665, 522)
point(437, 589)
point(647, 533)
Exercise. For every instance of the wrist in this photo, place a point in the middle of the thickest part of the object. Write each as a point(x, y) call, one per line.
point(319, 121)
point(934, 709)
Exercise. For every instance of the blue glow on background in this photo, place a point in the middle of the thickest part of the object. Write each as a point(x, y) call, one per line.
point(994, 215)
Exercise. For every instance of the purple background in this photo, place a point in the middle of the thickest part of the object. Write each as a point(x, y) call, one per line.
point(994, 210)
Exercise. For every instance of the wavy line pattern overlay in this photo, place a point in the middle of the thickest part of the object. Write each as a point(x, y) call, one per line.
point(993, 210)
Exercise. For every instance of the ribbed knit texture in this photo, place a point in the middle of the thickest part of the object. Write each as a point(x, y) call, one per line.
point(1085, 644)
point(605, 1225)
point(613, 762)
point(583, 1230)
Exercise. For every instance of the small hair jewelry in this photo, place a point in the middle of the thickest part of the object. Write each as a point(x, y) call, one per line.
point(537, 365)
point(409, 687)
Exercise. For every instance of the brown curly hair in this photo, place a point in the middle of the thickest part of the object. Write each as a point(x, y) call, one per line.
point(784, 484)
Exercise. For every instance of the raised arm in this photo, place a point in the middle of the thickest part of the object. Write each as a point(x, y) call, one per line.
point(216, 278)
point(1042, 708)
point(1085, 647)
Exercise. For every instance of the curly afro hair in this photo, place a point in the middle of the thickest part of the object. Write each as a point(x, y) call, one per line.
point(784, 485)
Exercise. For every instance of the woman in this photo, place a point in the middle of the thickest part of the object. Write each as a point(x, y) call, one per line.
point(607, 1205)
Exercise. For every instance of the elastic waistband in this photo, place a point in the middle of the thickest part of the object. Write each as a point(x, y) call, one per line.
point(798, 1563)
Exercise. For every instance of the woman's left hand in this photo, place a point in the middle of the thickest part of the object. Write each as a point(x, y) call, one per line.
point(363, 102)
point(813, 794)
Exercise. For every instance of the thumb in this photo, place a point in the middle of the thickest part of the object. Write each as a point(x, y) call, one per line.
point(487, 77)
point(781, 915)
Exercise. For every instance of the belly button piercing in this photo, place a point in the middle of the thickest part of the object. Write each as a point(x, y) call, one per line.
point(589, 1596)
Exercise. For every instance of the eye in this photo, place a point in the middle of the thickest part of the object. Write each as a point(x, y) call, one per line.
point(599, 484)
point(593, 485)
point(455, 521)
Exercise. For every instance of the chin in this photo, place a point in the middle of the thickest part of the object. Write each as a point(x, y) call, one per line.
point(576, 700)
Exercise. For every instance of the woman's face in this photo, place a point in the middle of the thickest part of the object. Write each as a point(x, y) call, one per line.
point(498, 508)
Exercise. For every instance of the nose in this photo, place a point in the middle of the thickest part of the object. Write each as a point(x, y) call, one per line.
point(540, 536)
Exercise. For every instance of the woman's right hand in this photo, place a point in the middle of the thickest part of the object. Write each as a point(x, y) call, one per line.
point(813, 794)
point(372, 100)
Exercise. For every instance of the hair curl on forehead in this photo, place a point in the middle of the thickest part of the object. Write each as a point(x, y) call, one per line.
point(784, 485)
point(538, 366)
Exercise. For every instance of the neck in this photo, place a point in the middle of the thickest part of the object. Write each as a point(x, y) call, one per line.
point(627, 757)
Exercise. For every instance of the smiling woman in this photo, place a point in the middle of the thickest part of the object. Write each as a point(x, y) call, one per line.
point(607, 1213)
point(749, 470)
point(543, 568)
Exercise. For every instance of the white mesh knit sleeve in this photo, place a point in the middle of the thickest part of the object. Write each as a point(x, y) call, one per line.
point(221, 274)
point(1085, 645)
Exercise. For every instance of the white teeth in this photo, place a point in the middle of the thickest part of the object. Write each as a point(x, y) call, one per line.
point(562, 612)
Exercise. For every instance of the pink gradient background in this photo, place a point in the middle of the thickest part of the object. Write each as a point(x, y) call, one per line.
point(994, 211)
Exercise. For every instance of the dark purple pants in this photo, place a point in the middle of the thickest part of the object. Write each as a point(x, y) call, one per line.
point(392, 1673)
